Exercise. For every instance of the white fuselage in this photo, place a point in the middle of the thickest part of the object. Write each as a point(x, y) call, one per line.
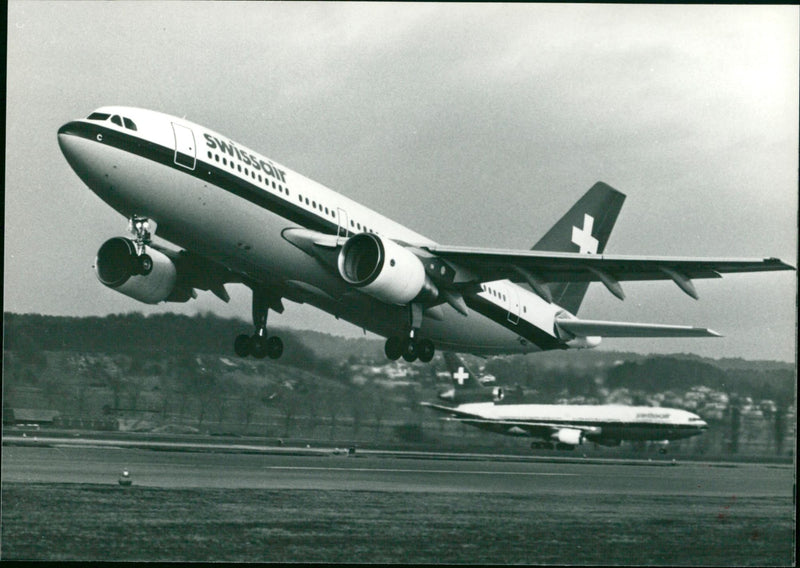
point(614, 422)
point(224, 201)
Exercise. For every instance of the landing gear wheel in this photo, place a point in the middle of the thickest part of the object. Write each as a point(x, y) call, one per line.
point(144, 264)
point(274, 347)
point(242, 345)
point(258, 349)
point(410, 352)
point(393, 348)
point(426, 350)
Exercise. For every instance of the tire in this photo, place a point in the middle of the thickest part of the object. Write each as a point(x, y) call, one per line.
point(144, 264)
point(411, 351)
point(393, 348)
point(259, 347)
point(242, 345)
point(426, 350)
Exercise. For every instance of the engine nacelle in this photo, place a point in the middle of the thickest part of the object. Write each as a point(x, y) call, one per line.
point(385, 270)
point(115, 266)
point(569, 436)
point(498, 394)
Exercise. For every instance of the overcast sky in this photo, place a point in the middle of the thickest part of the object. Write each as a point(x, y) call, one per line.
point(492, 118)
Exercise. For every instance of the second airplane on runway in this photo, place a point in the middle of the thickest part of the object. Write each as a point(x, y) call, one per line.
point(561, 426)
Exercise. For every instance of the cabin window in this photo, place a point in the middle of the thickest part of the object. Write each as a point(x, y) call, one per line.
point(129, 123)
point(98, 116)
point(116, 120)
point(225, 161)
point(216, 157)
point(287, 190)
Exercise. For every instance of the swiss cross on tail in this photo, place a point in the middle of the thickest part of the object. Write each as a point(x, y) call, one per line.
point(460, 376)
point(583, 237)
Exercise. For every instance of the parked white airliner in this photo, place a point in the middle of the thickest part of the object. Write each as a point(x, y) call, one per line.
point(241, 217)
point(560, 426)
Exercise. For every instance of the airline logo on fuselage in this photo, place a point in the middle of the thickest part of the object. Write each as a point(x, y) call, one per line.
point(228, 147)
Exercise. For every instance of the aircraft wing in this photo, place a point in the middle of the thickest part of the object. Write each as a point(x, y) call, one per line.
point(541, 267)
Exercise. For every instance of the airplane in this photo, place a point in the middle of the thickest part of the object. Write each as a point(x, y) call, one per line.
point(560, 426)
point(240, 217)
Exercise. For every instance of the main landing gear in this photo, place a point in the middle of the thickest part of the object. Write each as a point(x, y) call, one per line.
point(259, 345)
point(411, 348)
point(140, 227)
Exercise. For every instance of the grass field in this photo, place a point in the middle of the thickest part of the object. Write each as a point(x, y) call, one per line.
point(94, 522)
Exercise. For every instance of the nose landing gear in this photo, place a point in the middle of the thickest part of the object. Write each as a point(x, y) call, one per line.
point(259, 345)
point(140, 228)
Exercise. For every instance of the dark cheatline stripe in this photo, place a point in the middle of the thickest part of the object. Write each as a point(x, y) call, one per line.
point(525, 329)
point(208, 173)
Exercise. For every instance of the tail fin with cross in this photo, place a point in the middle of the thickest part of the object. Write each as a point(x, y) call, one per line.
point(463, 377)
point(584, 229)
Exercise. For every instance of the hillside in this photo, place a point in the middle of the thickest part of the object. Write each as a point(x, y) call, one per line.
point(177, 370)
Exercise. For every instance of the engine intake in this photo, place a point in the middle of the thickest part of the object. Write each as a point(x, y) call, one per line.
point(385, 270)
point(116, 267)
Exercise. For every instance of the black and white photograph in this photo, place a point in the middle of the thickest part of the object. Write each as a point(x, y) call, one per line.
point(400, 283)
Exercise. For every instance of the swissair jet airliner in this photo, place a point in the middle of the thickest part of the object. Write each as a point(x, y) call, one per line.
point(560, 426)
point(239, 217)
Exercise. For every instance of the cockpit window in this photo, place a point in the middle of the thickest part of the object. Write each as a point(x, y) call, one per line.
point(98, 116)
point(129, 123)
point(116, 120)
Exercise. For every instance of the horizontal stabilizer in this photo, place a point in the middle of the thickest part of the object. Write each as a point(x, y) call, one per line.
point(588, 328)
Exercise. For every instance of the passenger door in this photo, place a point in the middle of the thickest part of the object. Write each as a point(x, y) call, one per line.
point(184, 146)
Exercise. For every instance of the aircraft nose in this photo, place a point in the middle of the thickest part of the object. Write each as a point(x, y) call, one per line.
point(77, 145)
point(67, 142)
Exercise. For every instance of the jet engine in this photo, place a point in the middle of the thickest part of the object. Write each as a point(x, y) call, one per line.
point(385, 270)
point(571, 436)
point(498, 394)
point(116, 267)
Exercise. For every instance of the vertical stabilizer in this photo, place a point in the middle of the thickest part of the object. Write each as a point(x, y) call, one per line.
point(584, 229)
point(466, 386)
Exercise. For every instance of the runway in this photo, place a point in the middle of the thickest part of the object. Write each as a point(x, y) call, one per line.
point(216, 502)
point(72, 461)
